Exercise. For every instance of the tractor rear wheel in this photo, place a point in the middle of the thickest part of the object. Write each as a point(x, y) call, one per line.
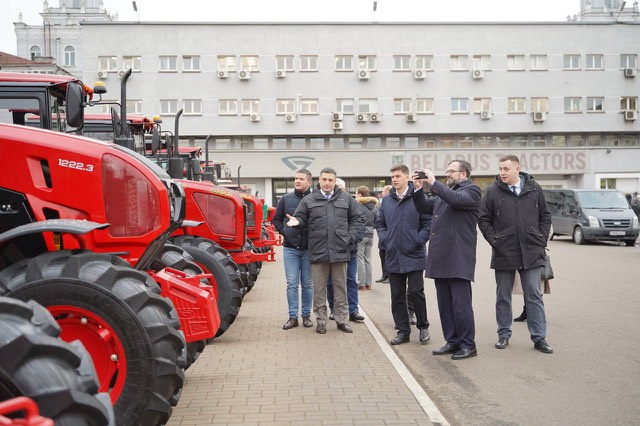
point(216, 261)
point(59, 377)
point(118, 314)
point(245, 276)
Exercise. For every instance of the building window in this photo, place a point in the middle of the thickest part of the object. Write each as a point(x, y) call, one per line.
point(367, 62)
point(35, 52)
point(411, 142)
point(298, 144)
point(459, 63)
point(260, 143)
point(284, 63)
point(168, 63)
point(133, 63)
point(515, 62)
point(629, 103)
point(250, 63)
point(345, 105)
point(134, 106)
point(344, 63)
point(309, 106)
point(227, 107)
point(69, 56)
point(459, 105)
point(401, 105)
point(482, 62)
point(424, 62)
point(107, 63)
point(227, 63)
point(539, 104)
point(192, 107)
point(336, 143)
point(539, 140)
point(168, 106)
point(250, 106)
point(571, 62)
point(521, 141)
point(367, 105)
point(481, 104)
point(594, 62)
point(401, 63)
point(316, 143)
point(424, 105)
point(572, 104)
point(538, 62)
point(374, 142)
point(628, 61)
point(516, 105)
point(595, 104)
point(285, 106)
point(191, 63)
point(308, 63)
point(594, 140)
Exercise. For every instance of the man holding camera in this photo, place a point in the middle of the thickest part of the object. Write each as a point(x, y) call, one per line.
point(452, 251)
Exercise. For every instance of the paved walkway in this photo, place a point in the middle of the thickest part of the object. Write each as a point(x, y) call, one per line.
point(258, 374)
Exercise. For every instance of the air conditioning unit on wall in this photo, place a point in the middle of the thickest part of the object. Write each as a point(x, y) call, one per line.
point(361, 118)
point(374, 117)
point(364, 74)
point(244, 75)
point(223, 74)
point(255, 117)
point(337, 125)
point(121, 74)
point(290, 118)
point(485, 115)
point(631, 115)
point(281, 73)
point(102, 75)
point(478, 74)
point(411, 118)
point(337, 116)
point(419, 74)
point(630, 72)
point(539, 116)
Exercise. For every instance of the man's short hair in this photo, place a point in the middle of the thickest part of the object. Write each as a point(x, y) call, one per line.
point(328, 170)
point(401, 167)
point(510, 157)
point(465, 166)
point(363, 190)
point(305, 172)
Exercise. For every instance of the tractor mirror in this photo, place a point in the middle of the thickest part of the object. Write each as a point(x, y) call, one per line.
point(155, 140)
point(75, 105)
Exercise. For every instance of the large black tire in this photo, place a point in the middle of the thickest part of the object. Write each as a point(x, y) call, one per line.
point(245, 277)
point(100, 290)
point(177, 258)
point(216, 261)
point(58, 376)
point(254, 267)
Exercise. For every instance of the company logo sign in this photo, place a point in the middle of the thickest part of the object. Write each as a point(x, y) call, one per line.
point(297, 162)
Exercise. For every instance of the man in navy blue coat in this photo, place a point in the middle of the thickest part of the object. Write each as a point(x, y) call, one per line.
point(452, 252)
point(403, 233)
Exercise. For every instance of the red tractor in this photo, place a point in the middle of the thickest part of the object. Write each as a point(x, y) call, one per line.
point(76, 215)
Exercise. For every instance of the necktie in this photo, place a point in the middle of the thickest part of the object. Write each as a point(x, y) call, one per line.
point(327, 196)
point(513, 189)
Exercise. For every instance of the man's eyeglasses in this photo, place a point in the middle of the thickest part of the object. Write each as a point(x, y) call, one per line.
point(448, 172)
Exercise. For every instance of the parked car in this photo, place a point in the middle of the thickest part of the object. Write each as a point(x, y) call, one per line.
point(592, 215)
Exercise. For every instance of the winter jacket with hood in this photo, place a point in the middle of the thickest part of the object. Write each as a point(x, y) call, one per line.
point(368, 205)
point(292, 237)
point(333, 225)
point(403, 233)
point(517, 227)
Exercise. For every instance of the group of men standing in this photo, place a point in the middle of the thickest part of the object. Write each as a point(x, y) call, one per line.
point(320, 226)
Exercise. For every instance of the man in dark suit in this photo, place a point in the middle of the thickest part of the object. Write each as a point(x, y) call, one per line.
point(452, 252)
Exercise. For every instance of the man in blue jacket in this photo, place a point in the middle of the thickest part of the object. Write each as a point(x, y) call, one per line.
point(297, 268)
point(403, 233)
point(452, 252)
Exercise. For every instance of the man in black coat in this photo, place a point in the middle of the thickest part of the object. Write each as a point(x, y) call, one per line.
point(403, 233)
point(515, 220)
point(295, 252)
point(452, 252)
point(333, 220)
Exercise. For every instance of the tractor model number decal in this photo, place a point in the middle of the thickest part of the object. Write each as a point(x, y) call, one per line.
point(77, 165)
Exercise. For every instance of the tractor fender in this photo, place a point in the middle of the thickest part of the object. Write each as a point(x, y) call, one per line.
point(63, 226)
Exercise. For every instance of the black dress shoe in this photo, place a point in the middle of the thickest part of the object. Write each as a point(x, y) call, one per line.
point(293, 322)
point(321, 329)
point(503, 342)
point(356, 317)
point(306, 321)
point(543, 346)
point(344, 327)
point(446, 349)
point(523, 315)
point(400, 339)
point(424, 336)
point(382, 279)
point(465, 353)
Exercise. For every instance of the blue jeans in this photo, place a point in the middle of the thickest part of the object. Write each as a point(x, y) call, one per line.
point(352, 287)
point(297, 269)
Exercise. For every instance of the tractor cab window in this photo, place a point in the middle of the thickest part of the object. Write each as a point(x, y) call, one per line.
point(22, 111)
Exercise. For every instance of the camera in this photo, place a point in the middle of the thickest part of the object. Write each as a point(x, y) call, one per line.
point(420, 174)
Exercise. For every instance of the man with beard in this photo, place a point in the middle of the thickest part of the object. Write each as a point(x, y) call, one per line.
point(297, 268)
point(333, 220)
point(452, 252)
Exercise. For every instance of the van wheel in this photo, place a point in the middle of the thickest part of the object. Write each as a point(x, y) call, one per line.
point(578, 236)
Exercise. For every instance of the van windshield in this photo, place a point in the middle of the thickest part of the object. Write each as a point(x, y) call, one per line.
point(602, 200)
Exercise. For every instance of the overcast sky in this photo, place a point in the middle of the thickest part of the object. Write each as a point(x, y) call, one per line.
point(302, 10)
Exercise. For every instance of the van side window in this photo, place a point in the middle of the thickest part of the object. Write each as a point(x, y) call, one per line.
point(571, 204)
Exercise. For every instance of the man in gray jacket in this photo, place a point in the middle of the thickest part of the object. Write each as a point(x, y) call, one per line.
point(333, 220)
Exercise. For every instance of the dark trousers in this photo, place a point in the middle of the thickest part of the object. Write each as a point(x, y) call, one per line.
point(382, 256)
point(456, 311)
point(408, 286)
